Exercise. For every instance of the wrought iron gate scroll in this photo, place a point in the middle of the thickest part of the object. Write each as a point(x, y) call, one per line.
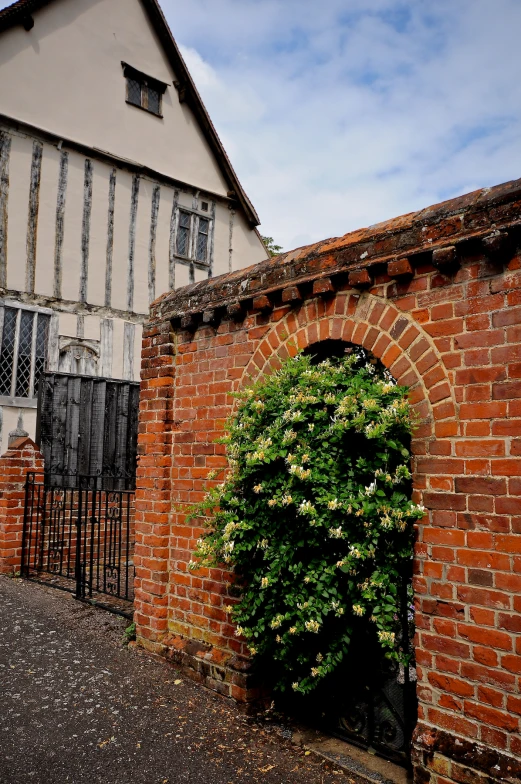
point(80, 539)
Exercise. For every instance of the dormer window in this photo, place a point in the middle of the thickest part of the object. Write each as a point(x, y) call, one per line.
point(144, 91)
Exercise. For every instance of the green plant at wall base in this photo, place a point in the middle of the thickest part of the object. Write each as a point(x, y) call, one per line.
point(129, 635)
point(314, 514)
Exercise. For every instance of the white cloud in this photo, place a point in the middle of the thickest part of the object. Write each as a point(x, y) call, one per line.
point(342, 113)
point(336, 120)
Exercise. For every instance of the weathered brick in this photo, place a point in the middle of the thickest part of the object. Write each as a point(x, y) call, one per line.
point(454, 340)
point(21, 457)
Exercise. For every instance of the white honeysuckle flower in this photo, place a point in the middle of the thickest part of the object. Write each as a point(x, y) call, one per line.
point(370, 489)
point(306, 507)
point(276, 622)
point(386, 636)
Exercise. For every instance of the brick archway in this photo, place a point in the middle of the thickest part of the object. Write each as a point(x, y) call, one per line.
point(407, 351)
point(436, 296)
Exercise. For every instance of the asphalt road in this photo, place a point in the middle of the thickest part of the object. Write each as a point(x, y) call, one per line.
point(76, 706)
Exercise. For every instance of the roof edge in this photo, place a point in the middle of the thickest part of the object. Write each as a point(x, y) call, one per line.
point(486, 213)
point(20, 10)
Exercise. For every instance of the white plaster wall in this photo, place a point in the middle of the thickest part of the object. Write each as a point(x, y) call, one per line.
point(200, 274)
point(117, 348)
point(141, 248)
point(163, 240)
point(182, 275)
point(137, 352)
point(9, 420)
point(92, 327)
point(247, 247)
point(68, 325)
point(45, 237)
point(98, 234)
point(18, 206)
point(120, 252)
point(71, 248)
point(65, 76)
point(221, 242)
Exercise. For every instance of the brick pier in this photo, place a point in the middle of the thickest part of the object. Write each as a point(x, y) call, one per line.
point(21, 457)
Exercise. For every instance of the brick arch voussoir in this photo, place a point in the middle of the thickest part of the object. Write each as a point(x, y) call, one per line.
point(404, 348)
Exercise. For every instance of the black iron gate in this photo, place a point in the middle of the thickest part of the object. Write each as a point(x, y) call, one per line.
point(374, 703)
point(81, 539)
point(368, 700)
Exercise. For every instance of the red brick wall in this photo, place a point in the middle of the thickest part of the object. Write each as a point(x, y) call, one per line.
point(21, 457)
point(438, 300)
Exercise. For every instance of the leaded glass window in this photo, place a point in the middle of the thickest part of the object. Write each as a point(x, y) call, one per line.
point(202, 239)
point(7, 353)
point(154, 101)
point(183, 233)
point(193, 236)
point(134, 92)
point(144, 92)
point(25, 346)
point(23, 351)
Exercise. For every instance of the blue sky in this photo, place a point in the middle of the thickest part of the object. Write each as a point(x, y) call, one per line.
point(342, 113)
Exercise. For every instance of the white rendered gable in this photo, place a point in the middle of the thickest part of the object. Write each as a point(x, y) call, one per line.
point(65, 76)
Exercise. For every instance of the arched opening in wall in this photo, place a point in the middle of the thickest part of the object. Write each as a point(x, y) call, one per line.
point(369, 699)
point(336, 349)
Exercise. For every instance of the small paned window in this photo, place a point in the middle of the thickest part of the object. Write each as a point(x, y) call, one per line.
point(183, 233)
point(154, 101)
point(193, 236)
point(23, 351)
point(133, 92)
point(144, 91)
point(201, 252)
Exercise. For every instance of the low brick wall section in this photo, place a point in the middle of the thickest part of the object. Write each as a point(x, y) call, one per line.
point(21, 457)
point(436, 295)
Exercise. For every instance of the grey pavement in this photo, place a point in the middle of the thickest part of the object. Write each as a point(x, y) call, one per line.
point(77, 706)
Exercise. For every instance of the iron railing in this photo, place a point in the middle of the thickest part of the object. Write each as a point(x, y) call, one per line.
point(81, 538)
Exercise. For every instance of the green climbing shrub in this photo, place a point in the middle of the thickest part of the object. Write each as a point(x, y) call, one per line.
point(314, 515)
